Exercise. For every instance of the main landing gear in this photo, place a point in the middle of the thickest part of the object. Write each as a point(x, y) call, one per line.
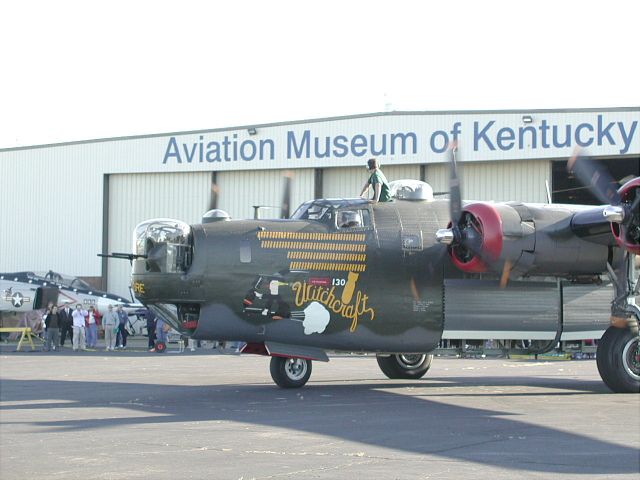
point(290, 372)
point(618, 360)
point(618, 355)
point(405, 365)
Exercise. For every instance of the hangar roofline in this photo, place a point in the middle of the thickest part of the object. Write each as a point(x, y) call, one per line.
point(324, 119)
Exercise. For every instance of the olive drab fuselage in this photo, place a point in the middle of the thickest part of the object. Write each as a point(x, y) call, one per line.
point(372, 287)
point(375, 283)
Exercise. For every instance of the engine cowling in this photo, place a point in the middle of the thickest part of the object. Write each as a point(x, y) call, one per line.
point(481, 226)
point(627, 233)
point(522, 239)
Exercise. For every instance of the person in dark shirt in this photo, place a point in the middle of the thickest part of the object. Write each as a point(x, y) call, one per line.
point(66, 323)
point(52, 320)
point(123, 318)
point(151, 328)
point(381, 192)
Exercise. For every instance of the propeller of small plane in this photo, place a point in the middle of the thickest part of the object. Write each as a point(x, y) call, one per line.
point(622, 211)
point(285, 206)
point(595, 177)
point(212, 213)
point(213, 195)
point(465, 234)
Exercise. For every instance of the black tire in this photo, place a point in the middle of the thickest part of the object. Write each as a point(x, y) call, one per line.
point(161, 347)
point(618, 360)
point(405, 366)
point(290, 372)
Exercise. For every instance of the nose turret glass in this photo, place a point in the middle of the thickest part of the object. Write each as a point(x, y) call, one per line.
point(165, 244)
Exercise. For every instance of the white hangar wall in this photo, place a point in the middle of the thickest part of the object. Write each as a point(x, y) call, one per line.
point(62, 204)
point(497, 181)
point(240, 191)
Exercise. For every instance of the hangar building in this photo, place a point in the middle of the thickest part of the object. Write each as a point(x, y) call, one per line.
point(64, 203)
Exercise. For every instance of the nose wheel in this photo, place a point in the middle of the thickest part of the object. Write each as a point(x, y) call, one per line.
point(290, 372)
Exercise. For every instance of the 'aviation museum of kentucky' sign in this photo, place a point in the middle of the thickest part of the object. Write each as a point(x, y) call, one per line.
point(407, 138)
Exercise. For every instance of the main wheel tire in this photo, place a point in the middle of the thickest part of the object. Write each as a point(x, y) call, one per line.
point(405, 365)
point(618, 360)
point(161, 347)
point(290, 372)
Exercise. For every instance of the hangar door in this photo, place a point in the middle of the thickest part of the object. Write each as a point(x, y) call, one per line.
point(134, 198)
point(241, 190)
point(519, 180)
point(348, 182)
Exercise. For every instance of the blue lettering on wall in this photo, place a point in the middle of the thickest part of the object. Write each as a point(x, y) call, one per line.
point(172, 151)
point(626, 138)
point(439, 137)
point(484, 136)
point(479, 135)
point(305, 146)
point(578, 135)
point(298, 151)
point(505, 138)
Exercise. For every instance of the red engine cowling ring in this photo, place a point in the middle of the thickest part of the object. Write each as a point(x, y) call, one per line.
point(490, 224)
point(624, 192)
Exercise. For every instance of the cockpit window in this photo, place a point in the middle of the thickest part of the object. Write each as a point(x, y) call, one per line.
point(312, 211)
point(353, 218)
point(65, 280)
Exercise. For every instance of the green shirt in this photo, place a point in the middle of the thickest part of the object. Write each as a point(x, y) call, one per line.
point(378, 177)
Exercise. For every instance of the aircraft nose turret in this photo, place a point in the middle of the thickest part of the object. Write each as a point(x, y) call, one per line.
point(162, 245)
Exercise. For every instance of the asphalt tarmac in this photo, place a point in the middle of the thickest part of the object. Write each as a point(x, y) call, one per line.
point(130, 415)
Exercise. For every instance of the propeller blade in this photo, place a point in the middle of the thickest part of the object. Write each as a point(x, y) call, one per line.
point(595, 177)
point(215, 190)
point(455, 197)
point(506, 271)
point(286, 196)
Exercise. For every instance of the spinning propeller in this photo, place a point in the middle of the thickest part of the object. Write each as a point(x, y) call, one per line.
point(214, 214)
point(285, 206)
point(474, 235)
point(623, 205)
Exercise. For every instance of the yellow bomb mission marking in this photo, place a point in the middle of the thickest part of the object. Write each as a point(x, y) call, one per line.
point(353, 310)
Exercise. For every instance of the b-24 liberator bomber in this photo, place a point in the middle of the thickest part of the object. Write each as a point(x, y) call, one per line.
point(395, 278)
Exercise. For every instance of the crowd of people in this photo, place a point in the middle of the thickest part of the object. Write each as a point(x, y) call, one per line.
point(82, 326)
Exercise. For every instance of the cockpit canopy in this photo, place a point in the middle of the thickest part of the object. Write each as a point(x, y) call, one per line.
point(59, 279)
point(337, 213)
point(165, 243)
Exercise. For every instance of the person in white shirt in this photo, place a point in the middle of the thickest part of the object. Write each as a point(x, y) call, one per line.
point(78, 328)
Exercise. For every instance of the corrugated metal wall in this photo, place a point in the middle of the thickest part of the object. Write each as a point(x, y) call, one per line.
point(348, 182)
point(239, 191)
point(499, 181)
point(183, 196)
point(50, 216)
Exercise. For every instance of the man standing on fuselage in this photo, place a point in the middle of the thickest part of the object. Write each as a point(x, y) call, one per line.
point(379, 182)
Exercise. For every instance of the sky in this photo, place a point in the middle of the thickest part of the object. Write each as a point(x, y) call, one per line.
point(77, 70)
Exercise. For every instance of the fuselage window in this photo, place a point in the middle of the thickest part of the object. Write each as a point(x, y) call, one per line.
point(245, 251)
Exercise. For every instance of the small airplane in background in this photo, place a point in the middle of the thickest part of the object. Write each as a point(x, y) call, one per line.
point(27, 291)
